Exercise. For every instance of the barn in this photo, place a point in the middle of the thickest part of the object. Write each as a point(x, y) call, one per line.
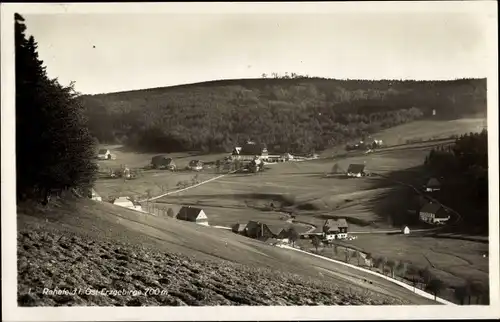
point(193, 214)
point(356, 170)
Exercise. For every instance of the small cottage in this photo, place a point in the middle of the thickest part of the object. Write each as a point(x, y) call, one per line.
point(356, 170)
point(126, 202)
point(193, 214)
point(104, 154)
point(433, 185)
point(406, 230)
point(433, 213)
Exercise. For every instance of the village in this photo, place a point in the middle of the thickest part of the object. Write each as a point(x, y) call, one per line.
point(253, 157)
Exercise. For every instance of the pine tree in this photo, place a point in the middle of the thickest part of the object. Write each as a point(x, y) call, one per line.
point(54, 149)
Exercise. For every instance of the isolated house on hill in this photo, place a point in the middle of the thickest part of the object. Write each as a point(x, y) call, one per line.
point(258, 230)
point(193, 214)
point(432, 185)
point(356, 170)
point(433, 213)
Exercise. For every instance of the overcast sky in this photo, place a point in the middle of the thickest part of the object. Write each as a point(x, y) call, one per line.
point(115, 52)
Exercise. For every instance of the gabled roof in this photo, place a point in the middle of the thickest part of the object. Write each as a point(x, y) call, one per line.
point(333, 224)
point(189, 213)
point(253, 149)
point(433, 182)
point(432, 208)
point(356, 168)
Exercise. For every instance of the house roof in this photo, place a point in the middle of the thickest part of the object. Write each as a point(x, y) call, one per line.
point(161, 159)
point(335, 224)
point(433, 182)
point(103, 151)
point(356, 168)
point(189, 213)
point(122, 200)
point(432, 208)
point(253, 149)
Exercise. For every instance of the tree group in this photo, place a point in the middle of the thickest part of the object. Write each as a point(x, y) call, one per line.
point(54, 149)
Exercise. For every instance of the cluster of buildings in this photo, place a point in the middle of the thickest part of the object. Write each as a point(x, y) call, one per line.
point(432, 212)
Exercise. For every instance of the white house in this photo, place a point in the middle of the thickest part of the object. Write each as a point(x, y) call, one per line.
point(126, 203)
point(193, 214)
point(406, 230)
point(95, 196)
point(105, 154)
point(433, 213)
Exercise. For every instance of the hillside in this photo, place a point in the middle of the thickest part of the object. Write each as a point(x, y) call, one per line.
point(294, 115)
point(84, 244)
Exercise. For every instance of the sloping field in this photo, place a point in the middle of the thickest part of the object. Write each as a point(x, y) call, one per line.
point(303, 187)
point(84, 244)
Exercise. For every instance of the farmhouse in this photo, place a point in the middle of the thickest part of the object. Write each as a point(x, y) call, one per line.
point(104, 154)
point(193, 214)
point(433, 213)
point(432, 185)
point(162, 162)
point(250, 150)
point(258, 230)
point(356, 170)
point(335, 228)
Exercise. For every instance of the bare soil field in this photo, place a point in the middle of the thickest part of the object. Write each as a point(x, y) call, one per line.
point(90, 245)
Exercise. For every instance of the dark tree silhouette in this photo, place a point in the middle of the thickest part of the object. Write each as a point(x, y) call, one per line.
point(461, 293)
point(316, 242)
point(293, 235)
point(54, 149)
point(435, 286)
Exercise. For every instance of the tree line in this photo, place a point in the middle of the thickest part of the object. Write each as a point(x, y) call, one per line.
point(418, 277)
point(296, 115)
point(54, 148)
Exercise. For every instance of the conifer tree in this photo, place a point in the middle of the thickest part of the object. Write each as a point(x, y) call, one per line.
point(54, 149)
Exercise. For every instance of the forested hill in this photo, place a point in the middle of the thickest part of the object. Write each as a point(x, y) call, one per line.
point(296, 115)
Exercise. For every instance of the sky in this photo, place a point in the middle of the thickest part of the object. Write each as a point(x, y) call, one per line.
point(123, 51)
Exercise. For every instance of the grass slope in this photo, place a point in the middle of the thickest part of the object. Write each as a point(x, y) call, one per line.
point(84, 244)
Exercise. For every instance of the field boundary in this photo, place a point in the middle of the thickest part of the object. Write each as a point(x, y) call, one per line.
point(402, 284)
point(187, 188)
